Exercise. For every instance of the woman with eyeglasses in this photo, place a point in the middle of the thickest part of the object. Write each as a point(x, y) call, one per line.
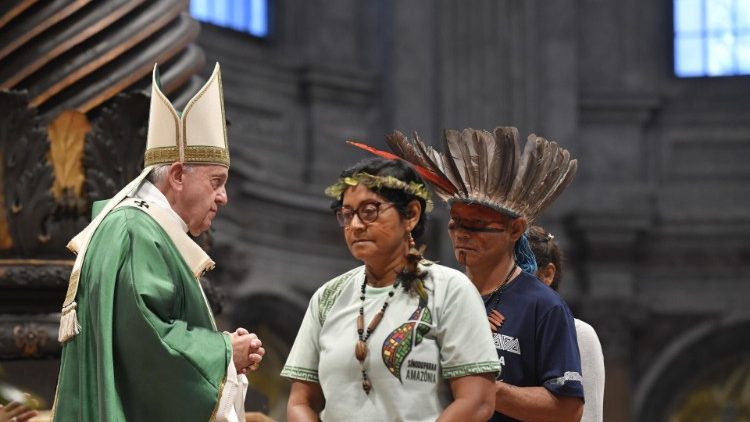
point(398, 338)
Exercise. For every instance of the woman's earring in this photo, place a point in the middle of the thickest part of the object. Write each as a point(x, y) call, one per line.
point(414, 255)
point(412, 276)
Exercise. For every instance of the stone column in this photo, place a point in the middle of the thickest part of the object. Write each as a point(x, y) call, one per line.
point(607, 248)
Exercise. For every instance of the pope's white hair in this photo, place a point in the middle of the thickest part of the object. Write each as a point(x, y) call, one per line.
point(159, 174)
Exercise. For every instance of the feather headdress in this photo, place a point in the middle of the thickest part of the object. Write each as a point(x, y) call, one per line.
point(489, 168)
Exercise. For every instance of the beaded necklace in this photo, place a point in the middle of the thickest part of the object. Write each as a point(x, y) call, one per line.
point(494, 298)
point(360, 351)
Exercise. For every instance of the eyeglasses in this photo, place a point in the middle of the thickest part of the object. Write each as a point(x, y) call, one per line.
point(473, 226)
point(367, 212)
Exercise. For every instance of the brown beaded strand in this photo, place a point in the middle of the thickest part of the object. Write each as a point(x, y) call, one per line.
point(360, 350)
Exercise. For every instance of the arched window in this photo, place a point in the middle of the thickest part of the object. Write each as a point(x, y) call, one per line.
point(250, 16)
point(711, 38)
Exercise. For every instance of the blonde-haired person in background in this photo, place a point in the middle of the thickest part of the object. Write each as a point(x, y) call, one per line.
point(549, 260)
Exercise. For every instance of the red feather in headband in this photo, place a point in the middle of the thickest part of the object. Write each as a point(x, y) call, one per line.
point(426, 174)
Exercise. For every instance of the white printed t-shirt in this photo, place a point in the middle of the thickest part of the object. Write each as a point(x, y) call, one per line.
point(412, 353)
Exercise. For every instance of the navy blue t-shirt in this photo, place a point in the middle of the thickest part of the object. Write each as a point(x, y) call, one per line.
point(536, 343)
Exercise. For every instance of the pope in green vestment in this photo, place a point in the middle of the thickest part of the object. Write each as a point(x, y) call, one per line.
point(139, 339)
point(148, 350)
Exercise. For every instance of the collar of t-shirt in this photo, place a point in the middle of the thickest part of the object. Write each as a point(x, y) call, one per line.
point(151, 193)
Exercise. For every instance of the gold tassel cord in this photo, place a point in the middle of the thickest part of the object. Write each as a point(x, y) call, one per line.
point(69, 326)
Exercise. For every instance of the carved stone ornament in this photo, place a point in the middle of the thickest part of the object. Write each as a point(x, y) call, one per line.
point(114, 149)
point(25, 177)
point(28, 336)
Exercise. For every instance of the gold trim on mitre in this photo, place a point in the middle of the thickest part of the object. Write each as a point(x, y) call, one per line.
point(198, 136)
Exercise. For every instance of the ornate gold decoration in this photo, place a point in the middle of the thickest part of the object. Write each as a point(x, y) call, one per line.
point(67, 134)
point(199, 154)
point(30, 338)
point(193, 154)
point(727, 397)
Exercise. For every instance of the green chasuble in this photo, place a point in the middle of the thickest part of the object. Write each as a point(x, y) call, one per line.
point(148, 349)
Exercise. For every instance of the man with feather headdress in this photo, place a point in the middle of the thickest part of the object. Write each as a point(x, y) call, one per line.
point(494, 193)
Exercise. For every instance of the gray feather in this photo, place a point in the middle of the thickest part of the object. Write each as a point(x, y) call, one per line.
point(527, 170)
point(503, 163)
point(451, 139)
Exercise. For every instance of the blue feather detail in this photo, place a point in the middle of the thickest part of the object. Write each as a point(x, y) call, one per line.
point(524, 255)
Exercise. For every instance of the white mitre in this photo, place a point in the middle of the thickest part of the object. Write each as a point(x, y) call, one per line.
point(199, 135)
